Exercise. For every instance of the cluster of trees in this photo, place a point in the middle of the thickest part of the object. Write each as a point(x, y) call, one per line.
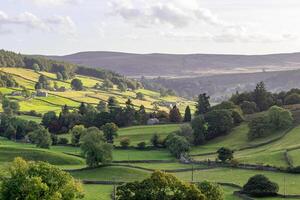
point(211, 122)
point(166, 186)
point(38, 180)
point(260, 99)
point(276, 118)
point(7, 80)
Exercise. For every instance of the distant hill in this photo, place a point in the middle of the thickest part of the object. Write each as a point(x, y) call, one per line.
point(180, 65)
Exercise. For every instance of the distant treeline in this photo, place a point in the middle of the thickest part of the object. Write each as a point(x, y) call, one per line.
point(39, 63)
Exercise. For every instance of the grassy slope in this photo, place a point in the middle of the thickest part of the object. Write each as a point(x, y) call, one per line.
point(28, 78)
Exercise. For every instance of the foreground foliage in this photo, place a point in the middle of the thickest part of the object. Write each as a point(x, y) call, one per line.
point(39, 180)
point(160, 186)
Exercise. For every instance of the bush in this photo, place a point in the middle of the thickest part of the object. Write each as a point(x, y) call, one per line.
point(225, 154)
point(125, 142)
point(63, 141)
point(220, 122)
point(260, 186)
point(54, 139)
point(141, 145)
point(280, 118)
point(187, 132)
point(292, 99)
point(212, 191)
point(237, 115)
point(248, 107)
point(259, 127)
point(177, 145)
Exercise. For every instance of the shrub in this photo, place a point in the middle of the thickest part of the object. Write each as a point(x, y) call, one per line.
point(155, 140)
point(248, 107)
point(63, 141)
point(54, 139)
point(280, 118)
point(220, 122)
point(260, 186)
point(187, 132)
point(225, 154)
point(212, 191)
point(125, 142)
point(41, 137)
point(292, 99)
point(177, 145)
point(259, 127)
point(141, 145)
point(237, 115)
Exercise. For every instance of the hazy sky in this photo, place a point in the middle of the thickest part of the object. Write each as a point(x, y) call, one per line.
point(146, 26)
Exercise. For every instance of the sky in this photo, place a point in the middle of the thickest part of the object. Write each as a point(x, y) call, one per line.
point(60, 27)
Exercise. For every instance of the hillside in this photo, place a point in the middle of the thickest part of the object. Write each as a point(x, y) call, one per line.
point(182, 65)
point(55, 99)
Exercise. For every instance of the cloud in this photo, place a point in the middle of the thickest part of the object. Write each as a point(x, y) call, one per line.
point(188, 20)
point(30, 21)
point(53, 2)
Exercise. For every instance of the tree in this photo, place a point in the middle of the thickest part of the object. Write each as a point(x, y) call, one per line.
point(38, 180)
point(110, 131)
point(102, 106)
point(259, 127)
point(107, 84)
point(76, 133)
point(292, 99)
point(158, 187)
point(155, 140)
point(248, 107)
point(177, 145)
point(36, 67)
point(203, 105)
point(59, 76)
point(187, 114)
point(212, 191)
point(125, 142)
point(225, 154)
point(122, 87)
point(186, 131)
point(41, 137)
point(260, 186)
point(50, 121)
point(261, 97)
point(219, 122)
point(94, 148)
point(10, 107)
point(140, 96)
point(76, 84)
point(112, 103)
point(280, 118)
point(199, 127)
point(174, 115)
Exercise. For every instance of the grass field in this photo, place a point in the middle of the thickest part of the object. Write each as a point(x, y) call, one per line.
point(28, 78)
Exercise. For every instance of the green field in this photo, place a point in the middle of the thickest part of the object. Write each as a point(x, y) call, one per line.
point(55, 100)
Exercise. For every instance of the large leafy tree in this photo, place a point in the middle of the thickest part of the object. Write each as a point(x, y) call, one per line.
point(76, 133)
point(220, 122)
point(203, 105)
point(94, 148)
point(177, 145)
point(160, 186)
point(280, 118)
point(38, 180)
point(41, 137)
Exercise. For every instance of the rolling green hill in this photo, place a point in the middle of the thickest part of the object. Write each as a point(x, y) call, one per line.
point(54, 100)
